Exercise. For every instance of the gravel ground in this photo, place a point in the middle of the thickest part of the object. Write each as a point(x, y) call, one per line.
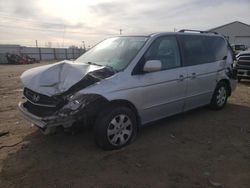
point(201, 148)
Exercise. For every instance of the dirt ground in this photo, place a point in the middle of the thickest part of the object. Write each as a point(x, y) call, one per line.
point(198, 149)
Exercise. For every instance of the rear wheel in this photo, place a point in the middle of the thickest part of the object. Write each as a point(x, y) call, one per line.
point(220, 96)
point(115, 128)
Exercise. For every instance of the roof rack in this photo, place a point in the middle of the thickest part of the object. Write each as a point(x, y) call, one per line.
point(190, 30)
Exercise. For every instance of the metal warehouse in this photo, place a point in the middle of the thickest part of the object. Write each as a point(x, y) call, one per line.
point(237, 32)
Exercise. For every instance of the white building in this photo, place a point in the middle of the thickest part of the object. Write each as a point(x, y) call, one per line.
point(237, 32)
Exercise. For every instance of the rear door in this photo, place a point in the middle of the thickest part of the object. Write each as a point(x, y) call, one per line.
point(204, 58)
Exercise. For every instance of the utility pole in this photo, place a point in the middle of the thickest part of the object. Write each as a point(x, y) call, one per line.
point(120, 31)
point(83, 44)
point(63, 35)
point(36, 44)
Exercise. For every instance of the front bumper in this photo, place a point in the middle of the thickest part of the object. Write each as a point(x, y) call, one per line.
point(242, 73)
point(45, 122)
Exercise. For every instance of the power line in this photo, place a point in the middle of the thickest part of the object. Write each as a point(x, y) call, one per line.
point(63, 34)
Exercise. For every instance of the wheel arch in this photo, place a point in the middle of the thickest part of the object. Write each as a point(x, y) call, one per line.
point(227, 82)
point(99, 103)
point(122, 102)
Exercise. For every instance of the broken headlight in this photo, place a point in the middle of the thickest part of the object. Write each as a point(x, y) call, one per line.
point(75, 103)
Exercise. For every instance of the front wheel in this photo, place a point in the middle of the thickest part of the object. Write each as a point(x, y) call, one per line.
point(220, 96)
point(115, 128)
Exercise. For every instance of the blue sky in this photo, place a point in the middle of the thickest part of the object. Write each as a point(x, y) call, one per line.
point(69, 22)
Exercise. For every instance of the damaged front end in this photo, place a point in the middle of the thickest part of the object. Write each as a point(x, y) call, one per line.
point(64, 109)
point(82, 108)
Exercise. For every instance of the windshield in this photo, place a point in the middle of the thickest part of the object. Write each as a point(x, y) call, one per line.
point(114, 52)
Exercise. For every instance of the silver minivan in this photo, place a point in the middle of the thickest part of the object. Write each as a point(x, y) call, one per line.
point(126, 82)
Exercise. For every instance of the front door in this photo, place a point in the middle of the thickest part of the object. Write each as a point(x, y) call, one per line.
point(162, 92)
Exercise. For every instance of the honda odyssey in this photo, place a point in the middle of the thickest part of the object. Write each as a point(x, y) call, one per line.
point(126, 82)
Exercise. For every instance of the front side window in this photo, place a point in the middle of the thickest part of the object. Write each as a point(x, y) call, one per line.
point(166, 50)
point(114, 52)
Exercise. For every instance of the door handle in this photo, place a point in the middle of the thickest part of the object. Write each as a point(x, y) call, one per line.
point(193, 75)
point(181, 77)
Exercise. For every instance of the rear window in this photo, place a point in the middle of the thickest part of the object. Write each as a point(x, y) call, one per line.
point(202, 49)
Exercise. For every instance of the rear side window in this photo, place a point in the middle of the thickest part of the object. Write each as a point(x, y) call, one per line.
point(218, 47)
point(202, 49)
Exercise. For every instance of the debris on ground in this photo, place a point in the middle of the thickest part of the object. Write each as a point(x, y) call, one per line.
point(18, 90)
point(4, 133)
point(213, 183)
point(172, 136)
point(207, 174)
point(11, 145)
point(138, 165)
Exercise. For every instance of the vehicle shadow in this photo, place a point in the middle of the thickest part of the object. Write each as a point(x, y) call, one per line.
point(184, 141)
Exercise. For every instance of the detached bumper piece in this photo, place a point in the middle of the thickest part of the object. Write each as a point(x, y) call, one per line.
point(44, 122)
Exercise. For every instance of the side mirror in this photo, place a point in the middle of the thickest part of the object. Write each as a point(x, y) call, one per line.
point(152, 66)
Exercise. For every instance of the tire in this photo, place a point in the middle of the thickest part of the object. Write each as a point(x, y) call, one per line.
point(115, 127)
point(220, 96)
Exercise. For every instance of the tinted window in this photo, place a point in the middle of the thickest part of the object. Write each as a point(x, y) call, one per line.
point(166, 50)
point(217, 46)
point(202, 49)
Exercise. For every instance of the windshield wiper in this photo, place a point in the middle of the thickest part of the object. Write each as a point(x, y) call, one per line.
point(91, 63)
point(110, 67)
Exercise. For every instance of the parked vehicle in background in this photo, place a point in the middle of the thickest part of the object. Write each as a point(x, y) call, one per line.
point(20, 59)
point(243, 65)
point(126, 82)
point(238, 48)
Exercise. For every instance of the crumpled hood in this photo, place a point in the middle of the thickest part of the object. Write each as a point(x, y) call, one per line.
point(56, 78)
